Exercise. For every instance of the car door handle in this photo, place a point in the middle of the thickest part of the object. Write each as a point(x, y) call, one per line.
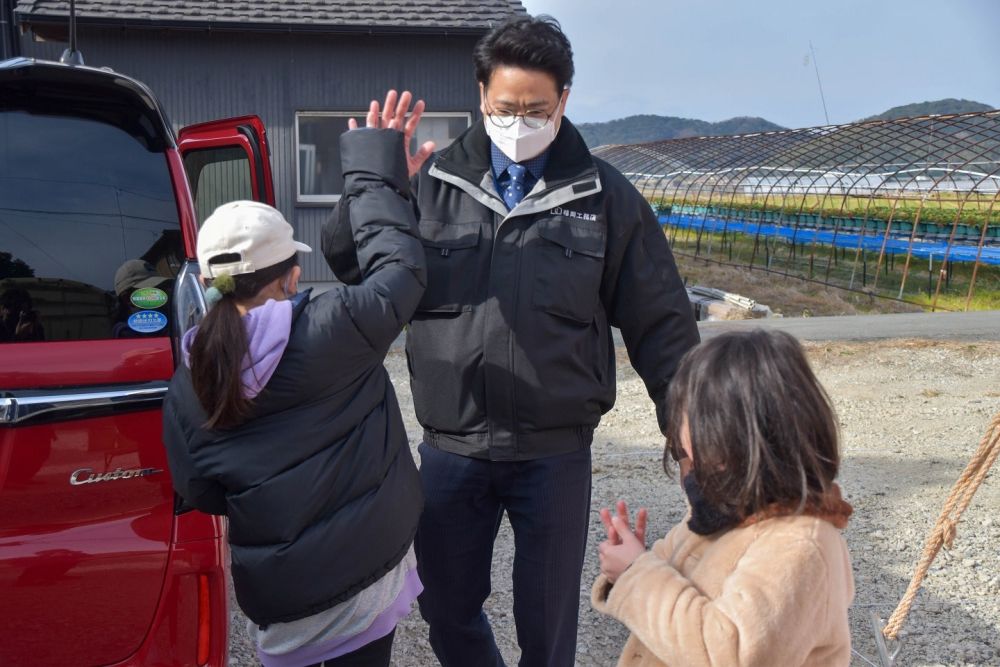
point(41, 406)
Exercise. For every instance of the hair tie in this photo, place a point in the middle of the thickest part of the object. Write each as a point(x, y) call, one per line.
point(225, 283)
point(212, 296)
point(222, 285)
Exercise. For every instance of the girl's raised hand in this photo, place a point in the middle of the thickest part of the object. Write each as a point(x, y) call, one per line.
point(392, 116)
point(616, 558)
point(624, 544)
point(640, 522)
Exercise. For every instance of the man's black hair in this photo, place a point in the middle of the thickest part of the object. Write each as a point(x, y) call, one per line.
point(527, 42)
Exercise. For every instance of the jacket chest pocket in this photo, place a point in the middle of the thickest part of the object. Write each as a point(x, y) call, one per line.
point(452, 252)
point(569, 264)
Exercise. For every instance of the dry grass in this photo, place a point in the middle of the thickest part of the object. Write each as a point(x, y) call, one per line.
point(785, 295)
point(825, 353)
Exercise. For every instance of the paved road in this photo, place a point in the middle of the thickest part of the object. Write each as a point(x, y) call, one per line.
point(976, 325)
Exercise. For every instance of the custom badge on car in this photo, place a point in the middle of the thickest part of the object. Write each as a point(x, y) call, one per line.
point(88, 476)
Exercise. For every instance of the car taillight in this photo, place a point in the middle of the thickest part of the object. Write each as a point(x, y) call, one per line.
point(204, 619)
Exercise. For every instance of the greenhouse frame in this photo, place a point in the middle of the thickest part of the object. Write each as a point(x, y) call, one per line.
point(853, 206)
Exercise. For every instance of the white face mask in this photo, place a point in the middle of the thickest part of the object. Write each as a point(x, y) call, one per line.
point(520, 142)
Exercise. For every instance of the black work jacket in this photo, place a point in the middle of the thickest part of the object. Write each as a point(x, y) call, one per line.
point(510, 350)
point(320, 488)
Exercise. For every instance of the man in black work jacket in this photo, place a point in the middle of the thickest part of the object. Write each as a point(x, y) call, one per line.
point(534, 250)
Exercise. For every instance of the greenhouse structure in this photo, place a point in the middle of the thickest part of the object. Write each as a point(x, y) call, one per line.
point(870, 206)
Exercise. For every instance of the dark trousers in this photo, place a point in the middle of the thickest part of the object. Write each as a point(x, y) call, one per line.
point(548, 504)
point(373, 654)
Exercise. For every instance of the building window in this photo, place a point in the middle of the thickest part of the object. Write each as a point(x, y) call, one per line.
point(317, 140)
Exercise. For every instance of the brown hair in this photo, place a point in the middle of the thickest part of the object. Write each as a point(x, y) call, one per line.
point(762, 428)
point(220, 347)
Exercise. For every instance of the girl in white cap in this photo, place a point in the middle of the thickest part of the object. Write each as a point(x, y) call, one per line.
point(282, 416)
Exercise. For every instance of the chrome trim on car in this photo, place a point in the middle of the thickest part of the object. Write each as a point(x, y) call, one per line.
point(189, 299)
point(20, 407)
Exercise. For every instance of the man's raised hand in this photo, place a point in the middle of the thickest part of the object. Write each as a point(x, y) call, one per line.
point(392, 116)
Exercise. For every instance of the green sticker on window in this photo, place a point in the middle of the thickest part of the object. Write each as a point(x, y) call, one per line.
point(149, 297)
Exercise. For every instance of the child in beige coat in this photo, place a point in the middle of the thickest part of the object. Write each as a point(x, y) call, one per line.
point(757, 573)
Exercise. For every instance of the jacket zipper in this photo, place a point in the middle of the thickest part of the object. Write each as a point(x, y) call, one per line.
point(510, 344)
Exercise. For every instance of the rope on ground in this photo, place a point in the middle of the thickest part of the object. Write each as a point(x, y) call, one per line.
point(944, 530)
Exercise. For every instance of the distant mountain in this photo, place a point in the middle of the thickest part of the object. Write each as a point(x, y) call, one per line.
point(947, 106)
point(647, 127)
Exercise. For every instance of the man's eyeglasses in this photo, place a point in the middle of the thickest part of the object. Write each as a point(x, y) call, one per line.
point(534, 119)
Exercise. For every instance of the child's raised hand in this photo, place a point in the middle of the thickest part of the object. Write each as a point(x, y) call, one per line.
point(640, 522)
point(623, 545)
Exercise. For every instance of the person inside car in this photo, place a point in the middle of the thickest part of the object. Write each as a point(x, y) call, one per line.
point(19, 321)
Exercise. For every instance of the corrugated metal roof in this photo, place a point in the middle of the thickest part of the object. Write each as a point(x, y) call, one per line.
point(398, 15)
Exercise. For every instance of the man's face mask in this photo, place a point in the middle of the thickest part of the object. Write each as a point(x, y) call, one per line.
point(519, 141)
point(522, 111)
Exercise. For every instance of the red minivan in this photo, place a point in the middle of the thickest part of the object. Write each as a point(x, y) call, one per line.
point(100, 564)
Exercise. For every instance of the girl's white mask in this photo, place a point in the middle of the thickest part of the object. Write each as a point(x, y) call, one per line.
point(520, 142)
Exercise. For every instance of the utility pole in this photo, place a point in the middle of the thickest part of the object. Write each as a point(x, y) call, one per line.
point(819, 82)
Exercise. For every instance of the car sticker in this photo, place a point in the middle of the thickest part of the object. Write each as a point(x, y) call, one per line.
point(149, 297)
point(147, 321)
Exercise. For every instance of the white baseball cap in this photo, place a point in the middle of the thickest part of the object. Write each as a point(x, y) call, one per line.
point(258, 233)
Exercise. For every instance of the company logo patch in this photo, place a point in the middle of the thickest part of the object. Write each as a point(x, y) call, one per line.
point(566, 213)
point(149, 298)
point(147, 321)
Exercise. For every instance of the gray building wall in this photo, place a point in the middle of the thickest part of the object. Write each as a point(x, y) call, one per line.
point(9, 41)
point(200, 76)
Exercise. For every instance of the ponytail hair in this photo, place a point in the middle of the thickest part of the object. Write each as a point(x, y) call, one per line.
point(220, 347)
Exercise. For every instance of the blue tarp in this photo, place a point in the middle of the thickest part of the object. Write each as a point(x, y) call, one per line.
point(869, 242)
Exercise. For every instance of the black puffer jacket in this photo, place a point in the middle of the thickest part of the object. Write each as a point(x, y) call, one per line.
point(320, 488)
point(510, 350)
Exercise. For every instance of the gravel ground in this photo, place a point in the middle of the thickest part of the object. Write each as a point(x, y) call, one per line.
point(911, 414)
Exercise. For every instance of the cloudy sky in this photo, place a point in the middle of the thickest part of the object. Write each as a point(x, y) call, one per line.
point(715, 59)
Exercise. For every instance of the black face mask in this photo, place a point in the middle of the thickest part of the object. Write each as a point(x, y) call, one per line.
point(705, 519)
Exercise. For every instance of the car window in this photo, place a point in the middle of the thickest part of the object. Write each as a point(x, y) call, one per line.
point(90, 242)
point(217, 176)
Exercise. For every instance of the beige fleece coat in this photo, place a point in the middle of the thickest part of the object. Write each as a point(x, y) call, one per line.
point(773, 593)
